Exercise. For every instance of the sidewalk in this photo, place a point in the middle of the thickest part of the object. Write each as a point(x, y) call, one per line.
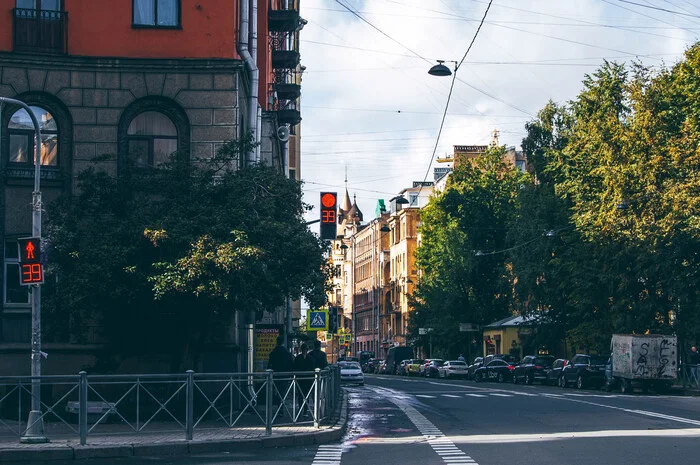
point(161, 444)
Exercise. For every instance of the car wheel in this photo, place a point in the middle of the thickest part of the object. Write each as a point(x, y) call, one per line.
point(501, 378)
point(477, 377)
point(528, 379)
point(562, 382)
point(579, 382)
point(514, 379)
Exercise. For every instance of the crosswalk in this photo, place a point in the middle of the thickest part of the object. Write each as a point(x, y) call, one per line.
point(514, 394)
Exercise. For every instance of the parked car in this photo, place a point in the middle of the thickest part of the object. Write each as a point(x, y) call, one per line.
point(583, 371)
point(554, 372)
point(371, 365)
point(453, 369)
point(511, 359)
point(532, 368)
point(401, 369)
point(433, 368)
point(478, 362)
point(350, 372)
point(496, 370)
point(424, 369)
point(395, 355)
point(413, 367)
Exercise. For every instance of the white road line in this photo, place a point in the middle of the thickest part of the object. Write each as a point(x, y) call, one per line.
point(328, 455)
point(475, 395)
point(443, 446)
point(500, 395)
point(451, 395)
point(425, 396)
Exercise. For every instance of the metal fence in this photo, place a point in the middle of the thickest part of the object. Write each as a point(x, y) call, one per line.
point(83, 405)
point(689, 376)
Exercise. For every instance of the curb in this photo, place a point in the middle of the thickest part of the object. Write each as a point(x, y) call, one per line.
point(76, 452)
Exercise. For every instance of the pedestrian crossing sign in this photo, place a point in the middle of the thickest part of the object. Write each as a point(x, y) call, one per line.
point(317, 320)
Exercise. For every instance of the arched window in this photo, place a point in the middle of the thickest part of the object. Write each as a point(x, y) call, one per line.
point(21, 132)
point(152, 138)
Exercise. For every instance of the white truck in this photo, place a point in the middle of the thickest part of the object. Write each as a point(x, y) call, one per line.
point(645, 360)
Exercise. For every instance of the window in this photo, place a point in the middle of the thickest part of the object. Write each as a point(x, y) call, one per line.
point(413, 200)
point(157, 13)
point(14, 295)
point(21, 132)
point(44, 5)
point(152, 139)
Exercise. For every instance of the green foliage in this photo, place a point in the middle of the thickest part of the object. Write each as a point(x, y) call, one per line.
point(470, 215)
point(161, 258)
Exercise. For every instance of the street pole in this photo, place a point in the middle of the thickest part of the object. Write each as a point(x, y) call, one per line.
point(34, 433)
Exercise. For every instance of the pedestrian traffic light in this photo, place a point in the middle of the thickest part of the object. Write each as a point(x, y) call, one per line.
point(31, 271)
point(329, 215)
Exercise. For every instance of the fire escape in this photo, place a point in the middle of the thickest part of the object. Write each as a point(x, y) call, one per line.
point(284, 90)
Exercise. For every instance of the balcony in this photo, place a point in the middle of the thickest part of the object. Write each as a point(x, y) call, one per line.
point(287, 111)
point(287, 84)
point(40, 31)
point(285, 59)
point(284, 19)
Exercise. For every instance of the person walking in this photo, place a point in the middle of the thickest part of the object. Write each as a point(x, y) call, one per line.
point(460, 358)
point(281, 360)
point(318, 356)
point(693, 361)
point(303, 362)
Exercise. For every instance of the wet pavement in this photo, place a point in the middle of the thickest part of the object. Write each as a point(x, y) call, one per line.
point(402, 421)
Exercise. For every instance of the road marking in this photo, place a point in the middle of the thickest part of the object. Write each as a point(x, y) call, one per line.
point(328, 455)
point(425, 396)
point(500, 395)
point(441, 444)
point(475, 395)
point(638, 412)
point(451, 395)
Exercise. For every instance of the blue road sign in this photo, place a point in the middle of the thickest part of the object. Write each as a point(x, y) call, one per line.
point(317, 320)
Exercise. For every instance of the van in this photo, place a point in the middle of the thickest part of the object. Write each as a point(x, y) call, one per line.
point(395, 355)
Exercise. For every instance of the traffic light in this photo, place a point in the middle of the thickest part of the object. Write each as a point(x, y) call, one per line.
point(333, 319)
point(329, 215)
point(31, 271)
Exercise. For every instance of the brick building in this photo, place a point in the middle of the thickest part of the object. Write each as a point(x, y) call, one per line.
point(134, 81)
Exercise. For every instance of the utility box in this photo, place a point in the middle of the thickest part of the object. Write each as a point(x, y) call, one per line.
point(648, 360)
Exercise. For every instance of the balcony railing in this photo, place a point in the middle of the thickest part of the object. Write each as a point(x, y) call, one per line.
point(40, 31)
point(284, 18)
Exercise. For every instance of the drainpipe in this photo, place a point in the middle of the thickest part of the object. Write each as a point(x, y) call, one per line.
point(249, 35)
point(258, 135)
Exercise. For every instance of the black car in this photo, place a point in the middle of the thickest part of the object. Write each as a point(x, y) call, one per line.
point(584, 371)
point(431, 369)
point(554, 372)
point(532, 368)
point(496, 370)
point(477, 363)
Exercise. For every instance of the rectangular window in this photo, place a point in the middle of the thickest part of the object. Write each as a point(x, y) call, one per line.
point(156, 13)
point(413, 200)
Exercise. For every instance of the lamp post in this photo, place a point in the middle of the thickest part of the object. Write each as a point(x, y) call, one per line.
point(34, 433)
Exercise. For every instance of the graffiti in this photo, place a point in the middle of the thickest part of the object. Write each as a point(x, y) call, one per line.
point(642, 368)
point(665, 349)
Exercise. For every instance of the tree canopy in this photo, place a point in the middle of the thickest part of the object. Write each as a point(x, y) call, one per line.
point(158, 260)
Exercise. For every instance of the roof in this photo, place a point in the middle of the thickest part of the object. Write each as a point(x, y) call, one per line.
point(512, 321)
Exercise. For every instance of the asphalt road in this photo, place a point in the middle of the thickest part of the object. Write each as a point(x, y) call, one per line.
point(407, 421)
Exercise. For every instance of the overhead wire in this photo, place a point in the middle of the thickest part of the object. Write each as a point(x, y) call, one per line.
point(665, 10)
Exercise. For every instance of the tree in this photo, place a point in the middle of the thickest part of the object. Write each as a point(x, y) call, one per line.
point(471, 215)
point(160, 259)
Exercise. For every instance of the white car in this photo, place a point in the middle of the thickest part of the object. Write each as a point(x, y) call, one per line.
point(351, 372)
point(453, 369)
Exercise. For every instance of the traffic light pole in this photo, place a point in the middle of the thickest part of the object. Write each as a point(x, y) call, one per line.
point(34, 433)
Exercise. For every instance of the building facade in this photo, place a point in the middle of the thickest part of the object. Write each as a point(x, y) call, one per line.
point(132, 81)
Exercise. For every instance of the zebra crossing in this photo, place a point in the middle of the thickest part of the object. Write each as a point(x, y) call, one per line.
point(513, 394)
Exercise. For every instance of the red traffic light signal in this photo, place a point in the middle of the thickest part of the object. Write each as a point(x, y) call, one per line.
point(329, 215)
point(31, 270)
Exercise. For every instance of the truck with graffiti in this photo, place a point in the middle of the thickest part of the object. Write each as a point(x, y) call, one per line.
point(647, 361)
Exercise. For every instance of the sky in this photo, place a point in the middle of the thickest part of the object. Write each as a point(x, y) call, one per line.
point(370, 108)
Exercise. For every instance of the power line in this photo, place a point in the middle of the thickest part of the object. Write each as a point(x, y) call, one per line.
point(651, 7)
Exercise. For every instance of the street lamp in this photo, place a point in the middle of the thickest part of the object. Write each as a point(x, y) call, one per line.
point(440, 69)
point(35, 423)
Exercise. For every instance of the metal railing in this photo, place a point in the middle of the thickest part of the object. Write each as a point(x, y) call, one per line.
point(689, 376)
point(42, 31)
point(81, 406)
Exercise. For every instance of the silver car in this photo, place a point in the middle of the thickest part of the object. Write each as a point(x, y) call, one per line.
point(351, 373)
point(453, 369)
